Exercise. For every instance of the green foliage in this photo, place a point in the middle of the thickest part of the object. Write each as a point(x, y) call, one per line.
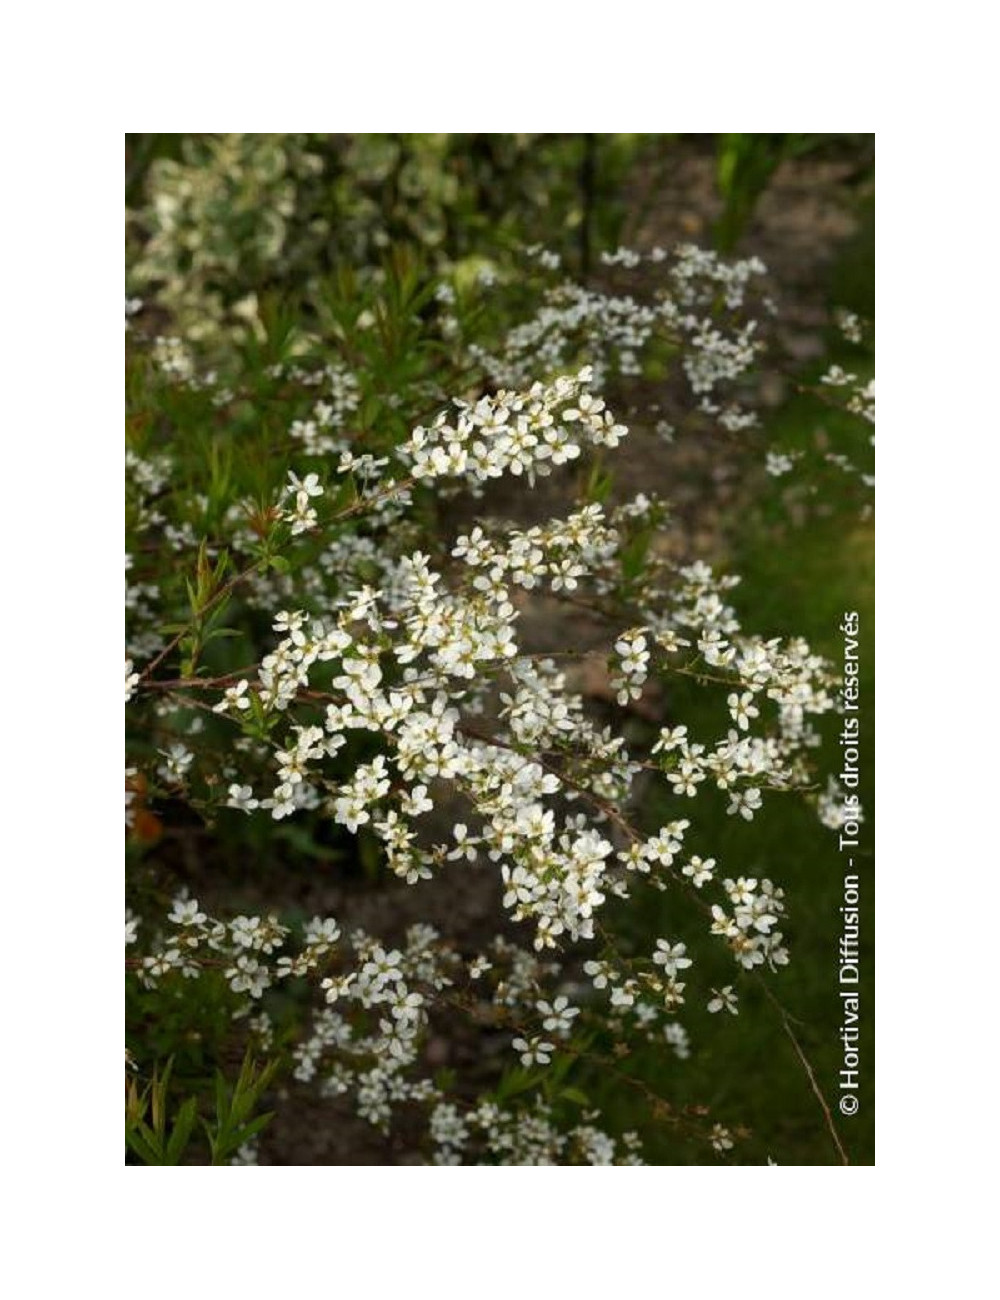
point(158, 1135)
point(163, 1140)
point(745, 164)
point(235, 1122)
point(220, 222)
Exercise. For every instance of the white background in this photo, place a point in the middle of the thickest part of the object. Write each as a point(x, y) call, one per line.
point(75, 1217)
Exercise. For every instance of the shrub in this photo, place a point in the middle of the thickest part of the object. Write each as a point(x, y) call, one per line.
point(330, 660)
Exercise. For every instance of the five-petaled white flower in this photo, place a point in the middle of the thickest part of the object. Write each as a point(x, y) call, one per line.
point(558, 1015)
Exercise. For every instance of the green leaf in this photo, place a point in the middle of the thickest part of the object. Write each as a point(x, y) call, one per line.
point(147, 1153)
point(633, 556)
point(516, 1081)
point(255, 1126)
point(370, 854)
point(181, 1133)
point(301, 840)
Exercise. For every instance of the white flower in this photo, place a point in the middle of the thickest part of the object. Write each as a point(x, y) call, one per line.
point(464, 846)
point(177, 759)
point(558, 1015)
point(534, 1052)
point(671, 956)
point(248, 976)
point(244, 930)
point(162, 963)
point(303, 518)
point(745, 802)
point(721, 1138)
point(724, 999)
point(337, 986)
point(670, 738)
point(631, 669)
point(742, 709)
point(309, 486)
point(415, 801)
point(598, 972)
point(322, 932)
point(406, 1005)
point(699, 871)
point(289, 621)
point(234, 698)
point(185, 912)
point(778, 463)
point(241, 797)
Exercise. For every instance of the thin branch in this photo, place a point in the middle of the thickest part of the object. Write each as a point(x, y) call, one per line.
point(810, 1074)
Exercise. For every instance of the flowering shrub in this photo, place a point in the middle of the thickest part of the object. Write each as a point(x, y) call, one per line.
point(330, 643)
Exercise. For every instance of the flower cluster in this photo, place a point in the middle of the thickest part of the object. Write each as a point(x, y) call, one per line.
point(244, 949)
point(518, 433)
point(617, 330)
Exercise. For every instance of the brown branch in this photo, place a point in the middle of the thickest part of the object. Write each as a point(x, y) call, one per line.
point(810, 1074)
